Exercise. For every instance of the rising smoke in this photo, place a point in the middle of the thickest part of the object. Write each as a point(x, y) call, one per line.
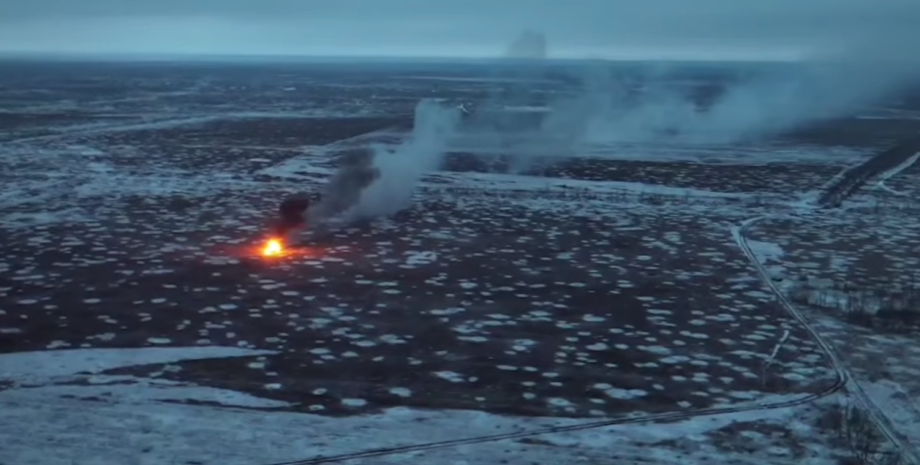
point(760, 105)
point(530, 45)
point(752, 101)
point(382, 180)
point(401, 168)
point(606, 107)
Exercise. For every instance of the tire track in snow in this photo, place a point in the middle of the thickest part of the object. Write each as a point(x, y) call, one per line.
point(894, 172)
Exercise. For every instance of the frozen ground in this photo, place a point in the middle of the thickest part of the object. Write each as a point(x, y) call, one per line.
point(858, 287)
point(137, 420)
point(603, 302)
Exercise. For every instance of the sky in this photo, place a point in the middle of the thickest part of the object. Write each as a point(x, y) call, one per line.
point(616, 29)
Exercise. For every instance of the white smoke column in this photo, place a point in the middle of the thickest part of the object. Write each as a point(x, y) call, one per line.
point(832, 83)
point(402, 168)
point(530, 45)
point(496, 127)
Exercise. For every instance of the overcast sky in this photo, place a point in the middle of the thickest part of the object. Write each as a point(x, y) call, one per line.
point(749, 29)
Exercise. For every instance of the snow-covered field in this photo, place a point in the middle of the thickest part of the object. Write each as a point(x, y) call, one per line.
point(71, 414)
point(637, 305)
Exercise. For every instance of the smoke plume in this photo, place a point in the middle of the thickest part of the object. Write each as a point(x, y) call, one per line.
point(530, 45)
point(612, 104)
point(760, 105)
point(402, 168)
point(382, 180)
point(667, 103)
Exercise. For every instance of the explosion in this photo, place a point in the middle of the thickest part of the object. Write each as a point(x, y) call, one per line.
point(273, 248)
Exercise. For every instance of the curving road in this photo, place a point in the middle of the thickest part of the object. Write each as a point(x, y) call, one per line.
point(885, 165)
point(882, 422)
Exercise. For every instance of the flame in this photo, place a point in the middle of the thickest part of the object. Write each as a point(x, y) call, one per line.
point(273, 248)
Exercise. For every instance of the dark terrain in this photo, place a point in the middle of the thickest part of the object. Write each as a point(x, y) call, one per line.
point(132, 207)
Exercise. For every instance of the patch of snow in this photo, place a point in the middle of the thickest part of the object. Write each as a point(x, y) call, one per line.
point(899, 404)
point(147, 391)
point(765, 250)
point(42, 428)
point(421, 258)
point(48, 366)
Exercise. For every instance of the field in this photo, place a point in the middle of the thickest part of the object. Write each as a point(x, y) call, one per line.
point(610, 301)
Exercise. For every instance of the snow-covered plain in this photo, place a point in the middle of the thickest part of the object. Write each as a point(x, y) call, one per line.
point(106, 420)
point(88, 399)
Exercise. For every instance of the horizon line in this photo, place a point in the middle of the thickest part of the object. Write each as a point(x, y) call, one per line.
point(138, 57)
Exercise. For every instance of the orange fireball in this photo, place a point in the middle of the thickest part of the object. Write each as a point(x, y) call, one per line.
point(273, 248)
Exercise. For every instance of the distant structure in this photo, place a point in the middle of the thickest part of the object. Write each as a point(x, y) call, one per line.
point(529, 45)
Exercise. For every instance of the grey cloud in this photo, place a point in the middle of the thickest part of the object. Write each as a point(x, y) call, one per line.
point(480, 26)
